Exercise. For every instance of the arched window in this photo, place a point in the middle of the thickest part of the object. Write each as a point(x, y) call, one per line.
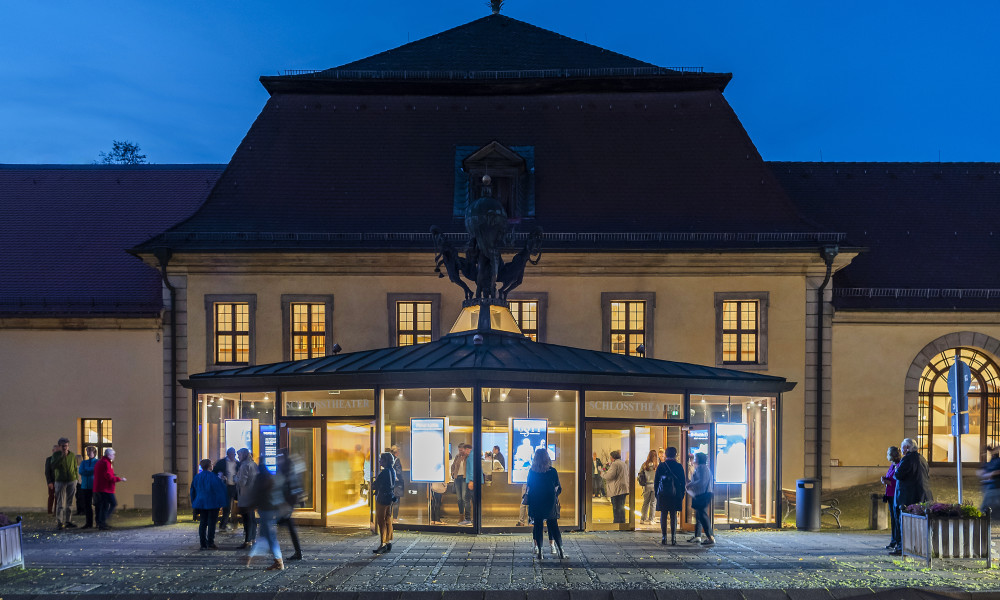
point(934, 408)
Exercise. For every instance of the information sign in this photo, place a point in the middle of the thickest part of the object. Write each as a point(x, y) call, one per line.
point(730, 453)
point(239, 434)
point(428, 449)
point(526, 436)
point(269, 447)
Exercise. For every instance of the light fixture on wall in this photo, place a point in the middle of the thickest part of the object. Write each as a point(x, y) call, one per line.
point(266, 397)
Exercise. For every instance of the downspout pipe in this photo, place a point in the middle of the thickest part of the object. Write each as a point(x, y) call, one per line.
point(163, 256)
point(829, 253)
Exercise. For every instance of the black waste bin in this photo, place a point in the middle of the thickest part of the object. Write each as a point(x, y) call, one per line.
point(807, 507)
point(164, 499)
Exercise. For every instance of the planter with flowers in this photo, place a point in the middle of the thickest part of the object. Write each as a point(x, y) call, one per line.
point(935, 530)
point(10, 543)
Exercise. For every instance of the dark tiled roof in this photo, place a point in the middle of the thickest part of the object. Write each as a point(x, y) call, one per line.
point(611, 163)
point(455, 360)
point(492, 54)
point(65, 229)
point(932, 229)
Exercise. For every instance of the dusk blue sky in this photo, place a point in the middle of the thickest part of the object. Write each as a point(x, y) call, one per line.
point(845, 81)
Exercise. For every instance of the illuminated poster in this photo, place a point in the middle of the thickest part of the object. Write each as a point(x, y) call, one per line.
point(428, 447)
point(269, 447)
point(526, 436)
point(239, 434)
point(730, 453)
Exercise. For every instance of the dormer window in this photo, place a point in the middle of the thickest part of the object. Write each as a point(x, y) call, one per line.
point(511, 177)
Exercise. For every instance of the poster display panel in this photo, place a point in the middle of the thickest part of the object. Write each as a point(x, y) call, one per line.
point(730, 453)
point(269, 447)
point(428, 449)
point(526, 436)
point(239, 434)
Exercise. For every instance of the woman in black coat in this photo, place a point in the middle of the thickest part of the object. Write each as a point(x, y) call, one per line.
point(543, 496)
point(669, 483)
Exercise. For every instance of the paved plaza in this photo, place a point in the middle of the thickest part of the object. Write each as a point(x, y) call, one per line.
point(166, 562)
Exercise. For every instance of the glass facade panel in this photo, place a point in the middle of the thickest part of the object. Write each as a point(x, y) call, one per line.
point(740, 438)
point(252, 409)
point(501, 494)
point(329, 403)
point(304, 448)
point(420, 502)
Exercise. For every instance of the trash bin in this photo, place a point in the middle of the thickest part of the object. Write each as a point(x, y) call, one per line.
point(878, 517)
point(807, 507)
point(164, 499)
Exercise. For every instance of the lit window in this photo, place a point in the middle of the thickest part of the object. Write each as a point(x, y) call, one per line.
point(525, 312)
point(97, 433)
point(308, 330)
point(413, 323)
point(740, 331)
point(628, 326)
point(232, 334)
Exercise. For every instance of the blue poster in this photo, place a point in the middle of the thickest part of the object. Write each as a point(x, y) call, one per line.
point(526, 436)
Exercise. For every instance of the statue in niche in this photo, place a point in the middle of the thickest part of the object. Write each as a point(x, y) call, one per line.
point(486, 224)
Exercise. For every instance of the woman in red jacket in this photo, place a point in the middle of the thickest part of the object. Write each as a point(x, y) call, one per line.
point(104, 488)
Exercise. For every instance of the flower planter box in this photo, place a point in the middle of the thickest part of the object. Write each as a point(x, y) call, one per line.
point(945, 537)
point(10, 546)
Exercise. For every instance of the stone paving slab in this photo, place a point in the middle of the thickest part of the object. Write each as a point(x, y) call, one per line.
point(154, 562)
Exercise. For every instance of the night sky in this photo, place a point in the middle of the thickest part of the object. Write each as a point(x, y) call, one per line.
point(837, 81)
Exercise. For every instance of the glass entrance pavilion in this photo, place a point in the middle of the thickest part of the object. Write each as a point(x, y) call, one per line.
point(488, 391)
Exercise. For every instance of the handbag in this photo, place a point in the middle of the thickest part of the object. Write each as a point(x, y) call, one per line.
point(701, 500)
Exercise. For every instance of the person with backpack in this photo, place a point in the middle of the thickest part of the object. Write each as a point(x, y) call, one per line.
point(646, 478)
point(383, 487)
point(291, 487)
point(669, 482)
point(267, 498)
point(208, 495)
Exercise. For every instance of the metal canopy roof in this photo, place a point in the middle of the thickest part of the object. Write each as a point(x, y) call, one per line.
point(502, 359)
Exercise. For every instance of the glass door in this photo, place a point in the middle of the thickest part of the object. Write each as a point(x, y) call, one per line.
point(697, 440)
point(610, 500)
point(304, 444)
point(348, 474)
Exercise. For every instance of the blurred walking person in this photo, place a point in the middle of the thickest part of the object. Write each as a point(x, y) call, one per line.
point(989, 476)
point(267, 498)
point(290, 477)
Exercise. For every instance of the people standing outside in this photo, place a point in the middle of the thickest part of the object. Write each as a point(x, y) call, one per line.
point(458, 476)
point(267, 498)
point(438, 488)
point(700, 489)
point(208, 495)
point(912, 480)
point(290, 476)
point(647, 479)
point(86, 491)
point(245, 476)
point(50, 480)
point(104, 488)
point(989, 476)
point(543, 491)
point(889, 481)
point(670, 482)
point(616, 480)
point(400, 488)
point(226, 468)
point(383, 488)
point(64, 474)
point(597, 482)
